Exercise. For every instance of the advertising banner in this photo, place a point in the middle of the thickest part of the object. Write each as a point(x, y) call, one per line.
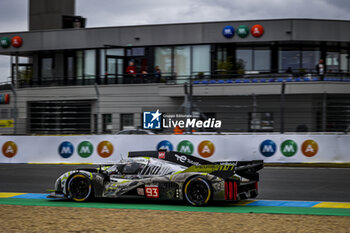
point(111, 148)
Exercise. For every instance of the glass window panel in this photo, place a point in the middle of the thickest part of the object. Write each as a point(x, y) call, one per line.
point(126, 120)
point(138, 51)
point(102, 62)
point(23, 60)
point(332, 61)
point(107, 125)
point(262, 60)
point(221, 54)
point(245, 56)
point(89, 64)
point(163, 59)
point(70, 66)
point(344, 61)
point(79, 64)
point(289, 59)
point(111, 66)
point(120, 65)
point(310, 60)
point(201, 59)
point(182, 61)
point(115, 52)
point(47, 68)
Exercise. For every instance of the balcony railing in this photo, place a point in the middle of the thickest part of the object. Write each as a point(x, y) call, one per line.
point(168, 78)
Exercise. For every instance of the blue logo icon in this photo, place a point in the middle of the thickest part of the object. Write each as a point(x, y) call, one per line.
point(165, 145)
point(152, 120)
point(66, 149)
point(268, 148)
point(228, 31)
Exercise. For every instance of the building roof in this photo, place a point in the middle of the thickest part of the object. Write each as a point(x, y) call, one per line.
point(276, 30)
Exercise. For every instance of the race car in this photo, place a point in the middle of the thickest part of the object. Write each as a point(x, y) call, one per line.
point(163, 175)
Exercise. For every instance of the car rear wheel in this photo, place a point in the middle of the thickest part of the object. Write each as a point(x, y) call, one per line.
point(79, 187)
point(197, 191)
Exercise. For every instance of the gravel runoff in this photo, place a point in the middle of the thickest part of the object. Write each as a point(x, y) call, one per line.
point(66, 219)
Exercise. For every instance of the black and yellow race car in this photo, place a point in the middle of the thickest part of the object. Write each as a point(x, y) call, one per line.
point(163, 175)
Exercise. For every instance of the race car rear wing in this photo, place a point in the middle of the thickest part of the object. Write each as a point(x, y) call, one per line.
point(224, 169)
point(171, 156)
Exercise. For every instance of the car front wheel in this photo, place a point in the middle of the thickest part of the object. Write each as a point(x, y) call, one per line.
point(79, 187)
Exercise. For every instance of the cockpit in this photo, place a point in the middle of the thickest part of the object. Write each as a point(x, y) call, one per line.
point(130, 168)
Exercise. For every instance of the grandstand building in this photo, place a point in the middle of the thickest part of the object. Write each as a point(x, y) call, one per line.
point(255, 76)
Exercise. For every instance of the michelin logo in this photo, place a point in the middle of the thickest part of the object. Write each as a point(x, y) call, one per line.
point(151, 120)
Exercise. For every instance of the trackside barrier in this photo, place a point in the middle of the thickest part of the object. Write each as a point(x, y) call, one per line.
point(111, 148)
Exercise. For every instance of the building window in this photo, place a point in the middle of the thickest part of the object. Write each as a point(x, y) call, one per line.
point(298, 60)
point(244, 58)
point(182, 62)
point(289, 59)
point(310, 59)
point(221, 54)
point(344, 61)
point(80, 64)
point(261, 121)
point(187, 61)
point(201, 59)
point(332, 61)
point(89, 64)
point(126, 121)
point(107, 123)
point(257, 59)
point(262, 59)
point(115, 52)
point(163, 60)
point(47, 68)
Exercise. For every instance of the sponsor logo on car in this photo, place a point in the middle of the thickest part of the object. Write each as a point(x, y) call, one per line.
point(184, 159)
point(140, 191)
point(161, 155)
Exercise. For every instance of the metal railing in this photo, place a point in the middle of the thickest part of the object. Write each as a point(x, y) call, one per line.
point(171, 78)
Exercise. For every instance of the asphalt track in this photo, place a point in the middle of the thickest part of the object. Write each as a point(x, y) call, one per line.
point(282, 183)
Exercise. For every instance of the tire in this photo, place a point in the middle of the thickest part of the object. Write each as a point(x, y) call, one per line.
point(197, 191)
point(79, 187)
